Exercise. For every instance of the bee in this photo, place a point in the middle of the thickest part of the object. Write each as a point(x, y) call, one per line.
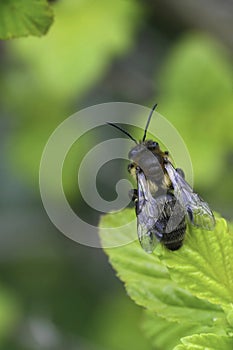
point(164, 201)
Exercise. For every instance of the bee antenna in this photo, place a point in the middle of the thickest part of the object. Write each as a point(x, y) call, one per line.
point(148, 121)
point(122, 130)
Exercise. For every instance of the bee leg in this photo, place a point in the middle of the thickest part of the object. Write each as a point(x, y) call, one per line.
point(131, 168)
point(180, 172)
point(133, 195)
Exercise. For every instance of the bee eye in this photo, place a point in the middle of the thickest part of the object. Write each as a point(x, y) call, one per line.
point(153, 145)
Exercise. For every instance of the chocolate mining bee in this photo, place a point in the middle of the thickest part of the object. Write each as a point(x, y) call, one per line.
point(163, 199)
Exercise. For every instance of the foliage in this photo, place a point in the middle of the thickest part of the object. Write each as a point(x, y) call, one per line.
point(10, 313)
point(97, 51)
point(22, 18)
point(72, 57)
point(196, 97)
point(189, 291)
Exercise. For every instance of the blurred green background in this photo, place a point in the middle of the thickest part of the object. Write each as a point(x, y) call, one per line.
point(55, 293)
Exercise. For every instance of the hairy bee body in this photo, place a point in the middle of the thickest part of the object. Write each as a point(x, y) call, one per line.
point(172, 239)
point(148, 159)
point(163, 199)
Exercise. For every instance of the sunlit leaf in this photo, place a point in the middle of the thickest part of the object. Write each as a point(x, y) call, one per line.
point(149, 284)
point(204, 265)
point(22, 18)
point(118, 320)
point(206, 341)
point(165, 335)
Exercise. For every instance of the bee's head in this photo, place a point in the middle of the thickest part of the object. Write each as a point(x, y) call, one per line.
point(152, 145)
point(144, 145)
point(142, 148)
point(136, 152)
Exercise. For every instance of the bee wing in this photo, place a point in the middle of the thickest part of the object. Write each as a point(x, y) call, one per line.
point(148, 213)
point(198, 211)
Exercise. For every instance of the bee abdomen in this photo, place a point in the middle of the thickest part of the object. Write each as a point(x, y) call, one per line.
point(174, 240)
point(171, 225)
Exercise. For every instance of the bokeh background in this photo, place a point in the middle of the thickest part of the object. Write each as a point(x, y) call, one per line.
point(55, 293)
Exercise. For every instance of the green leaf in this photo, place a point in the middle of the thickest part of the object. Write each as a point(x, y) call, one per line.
point(148, 282)
point(206, 342)
point(164, 334)
point(117, 320)
point(79, 49)
point(204, 264)
point(229, 315)
point(58, 69)
point(197, 81)
point(10, 313)
point(22, 18)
